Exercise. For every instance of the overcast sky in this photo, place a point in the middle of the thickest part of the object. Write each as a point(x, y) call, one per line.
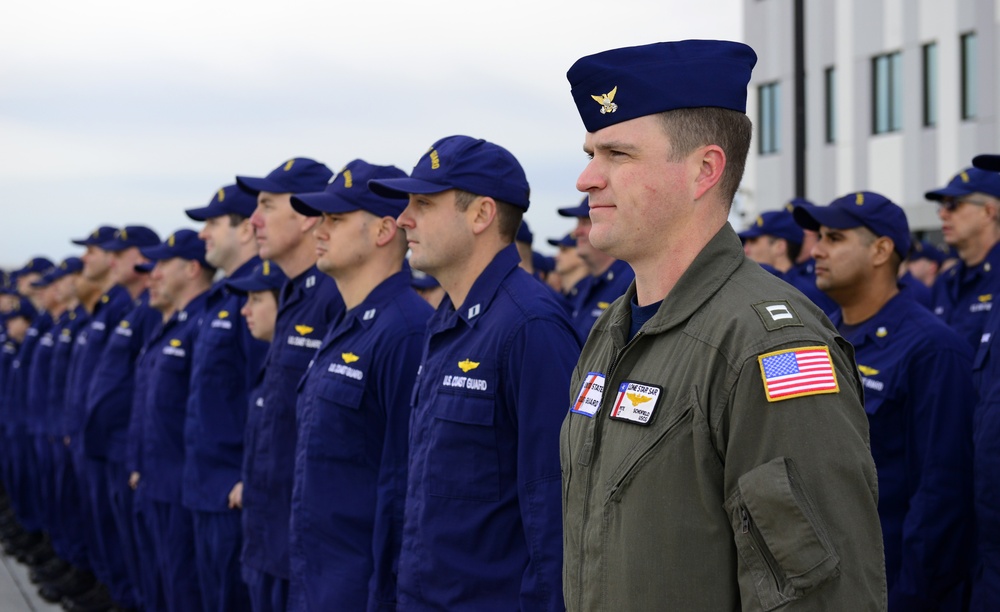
point(123, 112)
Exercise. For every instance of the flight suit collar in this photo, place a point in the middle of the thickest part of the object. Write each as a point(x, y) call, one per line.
point(709, 271)
point(481, 294)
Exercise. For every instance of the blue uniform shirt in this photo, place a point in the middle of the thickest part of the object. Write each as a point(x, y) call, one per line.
point(8, 352)
point(350, 459)
point(963, 295)
point(59, 370)
point(918, 396)
point(109, 398)
point(986, 448)
point(162, 378)
point(483, 525)
point(38, 375)
point(109, 310)
point(24, 398)
point(803, 277)
point(224, 361)
point(594, 294)
point(309, 304)
point(911, 287)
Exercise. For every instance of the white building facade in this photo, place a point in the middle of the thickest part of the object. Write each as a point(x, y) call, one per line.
point(900, 95)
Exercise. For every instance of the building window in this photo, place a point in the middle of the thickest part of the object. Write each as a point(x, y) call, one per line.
point(767, 123)
point(930, 84)
point(830, 98)
point(969, 69)
point(887, 90)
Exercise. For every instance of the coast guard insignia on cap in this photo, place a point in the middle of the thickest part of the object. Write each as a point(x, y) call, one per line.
point(797, 372)
point(607, 101)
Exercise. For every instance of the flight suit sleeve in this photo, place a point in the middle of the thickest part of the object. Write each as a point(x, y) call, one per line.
point(801, 492)
point(937, 531)
point(540, 362)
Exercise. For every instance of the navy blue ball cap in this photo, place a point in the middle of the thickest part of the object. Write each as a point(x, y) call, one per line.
point(777, 223)
point(41, 265)
point(131, 236)
point(144, 268)
point(566, 241)
point(861, 209)
point(987, 162)
point(349, 191)
point(227, 200)
point(23, 308)
point(297, 175)
point(524, 233)
point(183, 243)
point(99, 236)
point(622, 84)
point(579, 211)
point(70, 265)
point(923, 249)
point(542, 263)
point(461, 162)
point(422, 280)
point(264, 277)
point(966, 182)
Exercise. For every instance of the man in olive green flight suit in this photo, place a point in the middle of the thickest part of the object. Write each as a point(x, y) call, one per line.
point(715, 456)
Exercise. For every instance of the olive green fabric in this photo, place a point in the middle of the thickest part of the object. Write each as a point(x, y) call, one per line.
point(723, 500)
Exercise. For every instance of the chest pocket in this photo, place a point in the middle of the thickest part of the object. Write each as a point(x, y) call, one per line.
point(462, 461)
point(337, 423)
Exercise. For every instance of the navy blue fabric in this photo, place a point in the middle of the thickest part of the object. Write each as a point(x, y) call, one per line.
point(309, 304)
point(217, 538)
point(224, 362)
point(171, 527)
point(986, 448)
point(641, 314)
point(963, 296)
point(353, 416)
point(911, 287)
point(109, 398)
point(592, 296)
point(482, 526)
point(919, 397)
point(162, 378)
point(802, 276)
point(109, 310)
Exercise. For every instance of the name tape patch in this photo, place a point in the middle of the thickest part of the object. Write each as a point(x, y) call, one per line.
point(588, 402)
point(636, 402)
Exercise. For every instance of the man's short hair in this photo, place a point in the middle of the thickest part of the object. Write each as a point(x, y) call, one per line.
point(235, 219)
point(690, 128)
point(508, 215)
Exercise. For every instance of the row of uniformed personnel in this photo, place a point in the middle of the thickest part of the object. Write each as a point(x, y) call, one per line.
point(715, 454)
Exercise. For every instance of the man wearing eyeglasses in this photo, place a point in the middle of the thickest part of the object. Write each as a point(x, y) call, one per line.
point(969, 209)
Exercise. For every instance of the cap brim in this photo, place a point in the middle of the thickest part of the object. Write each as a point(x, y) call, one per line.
point(156, 253)
point(987, 162)
point(753, 232)
point(85, 242)
point(114, 246)
point(577, 212)
point(947, 192)
point(256, 185)
point(315, 204)
point(246, 285)
point(205, 213)
point(144, 268)
point(811, 217)
point(401, 188)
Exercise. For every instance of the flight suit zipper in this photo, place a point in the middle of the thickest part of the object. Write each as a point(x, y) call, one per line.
point(590, 472)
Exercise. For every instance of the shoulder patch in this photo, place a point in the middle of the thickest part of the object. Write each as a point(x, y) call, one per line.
point(775, 314)
point(797, 372)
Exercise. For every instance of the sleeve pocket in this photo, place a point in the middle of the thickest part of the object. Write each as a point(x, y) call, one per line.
point(785, 552)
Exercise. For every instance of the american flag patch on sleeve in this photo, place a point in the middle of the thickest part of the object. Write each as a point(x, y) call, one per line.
point(797, 372)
